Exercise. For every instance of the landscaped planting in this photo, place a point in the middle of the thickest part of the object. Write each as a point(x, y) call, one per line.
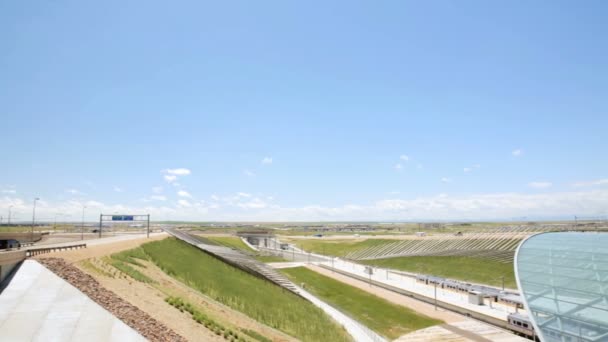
point(257, 298)
point(201, 318)
point(123, 260)
point(385, 318)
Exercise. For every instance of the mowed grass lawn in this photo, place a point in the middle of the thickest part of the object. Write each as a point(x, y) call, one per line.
point(257, 298)
point(338, 248)
point(477, 270)
point(387, 319)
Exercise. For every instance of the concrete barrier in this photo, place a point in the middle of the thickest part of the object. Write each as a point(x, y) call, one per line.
point(8, 262)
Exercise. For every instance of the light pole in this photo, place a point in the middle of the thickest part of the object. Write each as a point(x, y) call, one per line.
point(435, 296)
point(82, 226)
point(9, 214)
point(55, 223)
point(33, 219)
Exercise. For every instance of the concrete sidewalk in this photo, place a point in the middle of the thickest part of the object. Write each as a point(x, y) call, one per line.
point(37, 305)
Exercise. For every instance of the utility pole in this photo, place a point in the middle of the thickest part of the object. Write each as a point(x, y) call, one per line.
point(503, 282)
point(33, 219)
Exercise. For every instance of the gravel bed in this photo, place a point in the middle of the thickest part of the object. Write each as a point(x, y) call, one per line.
point(131, 315)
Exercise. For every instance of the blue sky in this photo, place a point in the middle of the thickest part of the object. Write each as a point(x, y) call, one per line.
point(285, 110)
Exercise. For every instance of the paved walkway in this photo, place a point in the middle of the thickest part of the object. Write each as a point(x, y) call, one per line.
point(458, 327)
point(393, 297)
point(410, 284)
point(95, 241)
point(464, 331)
point(357, 330)
point(37, 305)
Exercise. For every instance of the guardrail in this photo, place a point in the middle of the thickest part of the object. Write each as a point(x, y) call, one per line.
point(37, 251)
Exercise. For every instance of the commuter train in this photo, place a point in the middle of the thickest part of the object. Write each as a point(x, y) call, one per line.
point(521, 325)
point(498, 296)
point(516, 322)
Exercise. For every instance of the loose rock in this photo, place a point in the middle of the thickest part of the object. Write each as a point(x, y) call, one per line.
point(131, 315)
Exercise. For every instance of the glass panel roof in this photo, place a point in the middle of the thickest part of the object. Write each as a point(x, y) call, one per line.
point(564, 281)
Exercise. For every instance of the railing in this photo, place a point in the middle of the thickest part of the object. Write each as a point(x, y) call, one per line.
point(357, 330)
point(37, 251)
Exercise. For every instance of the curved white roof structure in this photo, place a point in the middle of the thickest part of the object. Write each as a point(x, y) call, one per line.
point(563, 278)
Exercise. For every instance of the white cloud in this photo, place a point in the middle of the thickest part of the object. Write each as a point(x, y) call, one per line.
point(178, 172)
point(157, 189)
point(158, 198)
point(248, 173)
point(404, 158)
point(540, 185)
point(492, 206)
point(517, 152)
point(72, 191)
point(183, 193)
point(171, 175)
point(117, 189)
point(93, 204)
point(394, 192)
point(10, 192)
point(184, 203)
point(471, 168)
point(215, 197)
point(255, 203)
point(592, 183)
point(398, 167)
point(243, 194)
point(267, 160)
point(445, 180)
point(170, 178)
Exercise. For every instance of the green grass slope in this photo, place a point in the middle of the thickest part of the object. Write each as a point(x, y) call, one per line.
point(257, 298)
point(230, 241)
point(387, 319)
point(469, 269)
point(338, 248)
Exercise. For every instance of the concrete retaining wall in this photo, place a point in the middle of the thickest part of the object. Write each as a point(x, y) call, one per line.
point(8, 262)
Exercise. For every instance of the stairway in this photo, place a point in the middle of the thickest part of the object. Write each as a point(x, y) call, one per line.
point(236, 258)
